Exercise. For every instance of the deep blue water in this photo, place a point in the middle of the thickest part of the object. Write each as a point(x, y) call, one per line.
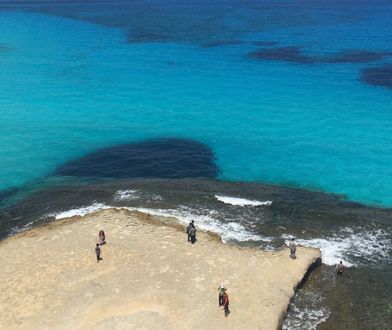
point(282, 92)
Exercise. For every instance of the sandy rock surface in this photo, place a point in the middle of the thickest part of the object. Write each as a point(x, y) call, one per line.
point(150, 277)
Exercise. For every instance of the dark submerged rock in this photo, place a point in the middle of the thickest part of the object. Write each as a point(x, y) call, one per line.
point(158, 158)
point(357, 56)
point(285, 54)
point(378, 76)
point(265, 43)
point(4, 48)
point(218, 43)
point(295, 54)
point(146, 37)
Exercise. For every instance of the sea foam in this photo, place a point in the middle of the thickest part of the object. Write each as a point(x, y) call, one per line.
point(135, 194)
point(306, 315)
point(236, 201)
point(19, 229)
point(370, 245)
point(231, 231)
point(129, 194)
point(81, 211)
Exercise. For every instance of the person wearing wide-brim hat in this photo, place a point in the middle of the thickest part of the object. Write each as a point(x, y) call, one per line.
point(222, 291)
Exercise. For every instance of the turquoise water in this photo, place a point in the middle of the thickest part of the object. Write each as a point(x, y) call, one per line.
point(279, 90)
point(70, 86)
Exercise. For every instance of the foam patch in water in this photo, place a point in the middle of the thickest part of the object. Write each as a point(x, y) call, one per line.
point(231, 231)
point(129, 194)
point(134, 194)
point(372, 245)
point(236, 201)
point(19, 229)
point(306, 316)
point(81, 211)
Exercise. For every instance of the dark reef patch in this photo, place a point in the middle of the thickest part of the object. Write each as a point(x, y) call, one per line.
point(4, 47)
point(286, 54)
point(296, 54)
point(357, 56)
point(378, 76)
point(147, 36)
point(158, 158)
point(265, 43)
point(218, 43)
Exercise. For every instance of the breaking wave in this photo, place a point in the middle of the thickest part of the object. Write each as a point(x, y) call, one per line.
point(306, 312)
point(353, 247)
point(236, 201)
point(231, 231)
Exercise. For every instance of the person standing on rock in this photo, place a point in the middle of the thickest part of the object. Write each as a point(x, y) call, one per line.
point(188, 229)
point(192, 234)
point(226, 304)
point(341, 269)
point(293, 249)
point(222, 291)
point(102, 238)
point(98, 252)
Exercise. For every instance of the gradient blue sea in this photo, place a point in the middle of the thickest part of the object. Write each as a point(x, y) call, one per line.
point(73, 83)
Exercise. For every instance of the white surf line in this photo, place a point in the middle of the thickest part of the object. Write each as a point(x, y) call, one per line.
point(236, 201)
point(227, 231)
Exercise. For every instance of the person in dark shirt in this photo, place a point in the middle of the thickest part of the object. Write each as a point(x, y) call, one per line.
point(98, 252)
point(188, 229)
point(192, 234)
